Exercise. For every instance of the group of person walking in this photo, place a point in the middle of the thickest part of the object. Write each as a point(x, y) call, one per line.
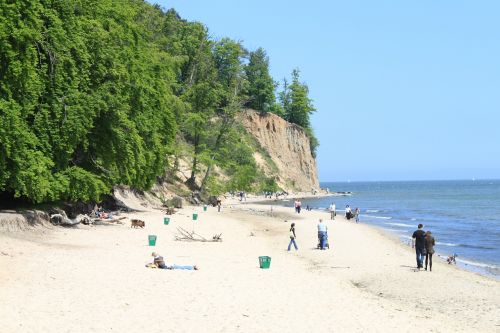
point(349, 214)
point(423, 242)
point(298, 206)
point(322, 236)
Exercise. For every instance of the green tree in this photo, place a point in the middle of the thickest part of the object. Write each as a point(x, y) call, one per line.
point(298, 106)
point(260, 83)
point(86, 98)
point(228, 57)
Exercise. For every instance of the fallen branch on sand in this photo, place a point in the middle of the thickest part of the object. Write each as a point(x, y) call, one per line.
point(112, 220)
point(185, 235)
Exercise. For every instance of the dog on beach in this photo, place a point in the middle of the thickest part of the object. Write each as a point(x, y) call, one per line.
point(451, 259)
point(134, 223)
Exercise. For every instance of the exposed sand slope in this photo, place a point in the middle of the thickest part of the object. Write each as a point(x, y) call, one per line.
point(93, 279)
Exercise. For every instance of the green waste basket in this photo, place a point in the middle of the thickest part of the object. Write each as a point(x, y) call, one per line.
point(166, 220)
point(205, 208)
point(265, 262)
point(152, 240)
point(195, 216)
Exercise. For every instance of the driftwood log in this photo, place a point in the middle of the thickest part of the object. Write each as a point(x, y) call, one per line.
point(113, 220)
point(185, 235)
point(62, 219)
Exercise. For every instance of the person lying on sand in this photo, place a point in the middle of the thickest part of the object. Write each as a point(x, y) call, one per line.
point(160, 263)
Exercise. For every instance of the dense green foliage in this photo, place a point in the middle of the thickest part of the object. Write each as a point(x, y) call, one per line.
point(260, 83)
point(297, 106)
point(94, 93)
point(86, 99)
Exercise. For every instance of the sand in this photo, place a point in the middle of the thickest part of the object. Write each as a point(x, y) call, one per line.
point(93, 279)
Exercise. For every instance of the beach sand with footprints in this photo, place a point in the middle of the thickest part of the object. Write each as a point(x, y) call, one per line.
point(94, 279)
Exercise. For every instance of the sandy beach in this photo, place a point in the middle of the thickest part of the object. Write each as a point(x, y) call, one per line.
point(94, 279)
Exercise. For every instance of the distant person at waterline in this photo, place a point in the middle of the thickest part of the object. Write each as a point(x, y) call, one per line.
point(298, 206)
point(429, 249)
point(356, 214)
point(332, 210)
point(292, 238)
point(418, 243)
point(348, 212)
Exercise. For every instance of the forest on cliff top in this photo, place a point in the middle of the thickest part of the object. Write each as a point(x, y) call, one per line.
point(96, 93)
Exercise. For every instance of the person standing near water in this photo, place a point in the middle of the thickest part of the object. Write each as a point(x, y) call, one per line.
point(356, 214)
point(429, 249)
point(418, 243)
point(332, 211)
point(348, 212)
point(292, 238)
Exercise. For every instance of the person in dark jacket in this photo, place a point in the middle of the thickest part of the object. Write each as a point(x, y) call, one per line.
point(418, 243)
point(429, 249)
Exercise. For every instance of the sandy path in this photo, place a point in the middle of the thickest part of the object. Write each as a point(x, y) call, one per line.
point(93, 279)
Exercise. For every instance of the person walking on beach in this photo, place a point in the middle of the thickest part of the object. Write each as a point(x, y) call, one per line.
point(322, 234)
point(348, 212)
point(219, 204)
point(296, 205)
point(299, 206)
point(418, 243)
point(429, 249)
point(356, 214)
point(332, 209)
point(292, 238)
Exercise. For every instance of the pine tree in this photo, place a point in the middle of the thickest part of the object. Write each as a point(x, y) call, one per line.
point(261, 85)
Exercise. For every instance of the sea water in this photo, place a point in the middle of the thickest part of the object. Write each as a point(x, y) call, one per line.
point(463, 216)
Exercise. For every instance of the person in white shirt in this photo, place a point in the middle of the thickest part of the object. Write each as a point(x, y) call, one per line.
point(332, 211)
point(348, 212)
point(322, 234)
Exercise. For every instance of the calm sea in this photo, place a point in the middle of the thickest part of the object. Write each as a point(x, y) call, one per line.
point(464, 216)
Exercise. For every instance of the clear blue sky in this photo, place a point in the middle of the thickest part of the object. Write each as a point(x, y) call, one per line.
point(404, 90)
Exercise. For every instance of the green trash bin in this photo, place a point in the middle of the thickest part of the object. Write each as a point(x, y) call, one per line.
point(205, 208)
point(166, 220)
point(152, 240)
point(195, 216)
point(265, 262)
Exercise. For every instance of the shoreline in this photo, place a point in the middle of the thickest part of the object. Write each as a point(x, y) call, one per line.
point(56, 281)
point(482, 268)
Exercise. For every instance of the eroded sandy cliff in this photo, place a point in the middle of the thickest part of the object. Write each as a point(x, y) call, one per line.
point(287, 146)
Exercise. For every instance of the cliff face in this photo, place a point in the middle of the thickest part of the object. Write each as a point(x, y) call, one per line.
point(288, 147)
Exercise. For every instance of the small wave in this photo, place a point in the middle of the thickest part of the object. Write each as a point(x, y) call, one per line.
point(372, 210)
point(413, 219)
point(478, 264)
point(477, 247)
point(447, 244)
point(398, 224)
point(379, 217)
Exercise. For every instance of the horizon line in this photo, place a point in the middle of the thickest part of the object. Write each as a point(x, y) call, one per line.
point(406, 180)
